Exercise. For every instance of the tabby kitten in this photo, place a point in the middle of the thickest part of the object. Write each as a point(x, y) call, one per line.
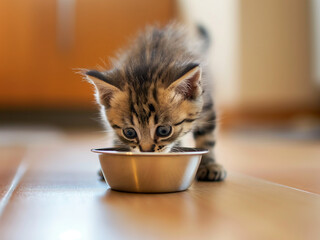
point(157, 92)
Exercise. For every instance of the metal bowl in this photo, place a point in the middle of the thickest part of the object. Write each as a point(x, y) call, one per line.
point(149, 172)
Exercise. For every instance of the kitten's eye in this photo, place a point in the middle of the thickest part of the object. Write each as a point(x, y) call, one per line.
point(163, 131)
point(130, 133)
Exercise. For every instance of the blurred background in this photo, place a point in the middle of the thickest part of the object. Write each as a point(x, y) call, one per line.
point(265, 58)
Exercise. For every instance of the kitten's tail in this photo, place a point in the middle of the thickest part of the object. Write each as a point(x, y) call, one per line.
point(204, 36)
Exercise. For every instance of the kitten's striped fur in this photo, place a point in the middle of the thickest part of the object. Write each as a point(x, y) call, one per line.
point(159, 85)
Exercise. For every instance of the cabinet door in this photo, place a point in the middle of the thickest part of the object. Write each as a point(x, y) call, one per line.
point(43, 42)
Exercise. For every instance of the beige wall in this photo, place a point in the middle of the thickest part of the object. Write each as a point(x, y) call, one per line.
point(261, 51)
point(275, 58)
point(221, 19)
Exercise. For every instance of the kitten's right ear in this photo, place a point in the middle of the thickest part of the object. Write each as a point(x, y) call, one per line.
point(106, 88)
point(188, 85)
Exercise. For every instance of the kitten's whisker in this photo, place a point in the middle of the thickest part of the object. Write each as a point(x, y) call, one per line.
point(104, 62)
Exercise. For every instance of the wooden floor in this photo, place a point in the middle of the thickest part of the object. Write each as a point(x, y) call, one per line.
point(289, 162)
point(49, 190)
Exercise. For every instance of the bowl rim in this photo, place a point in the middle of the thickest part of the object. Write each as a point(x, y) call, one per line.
point(190, 151)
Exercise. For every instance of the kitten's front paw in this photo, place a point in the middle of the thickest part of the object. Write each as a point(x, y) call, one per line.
point(100, 174)
point(211, 172)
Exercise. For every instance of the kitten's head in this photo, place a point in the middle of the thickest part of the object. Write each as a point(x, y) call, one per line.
point(149, 115)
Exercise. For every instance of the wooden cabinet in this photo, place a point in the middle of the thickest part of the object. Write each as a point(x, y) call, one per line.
point(42, 42)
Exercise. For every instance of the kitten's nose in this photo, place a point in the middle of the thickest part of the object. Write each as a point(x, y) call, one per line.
point(147, 147)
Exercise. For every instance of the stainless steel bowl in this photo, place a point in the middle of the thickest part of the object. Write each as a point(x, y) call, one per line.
point(149, 172)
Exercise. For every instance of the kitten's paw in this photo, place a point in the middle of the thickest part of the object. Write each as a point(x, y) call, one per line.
point(211, 172)
point(100, 174)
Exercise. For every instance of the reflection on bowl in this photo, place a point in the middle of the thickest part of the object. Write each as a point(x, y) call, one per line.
point(149, 172)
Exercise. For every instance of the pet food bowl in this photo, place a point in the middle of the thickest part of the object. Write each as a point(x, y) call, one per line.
point(149, 172)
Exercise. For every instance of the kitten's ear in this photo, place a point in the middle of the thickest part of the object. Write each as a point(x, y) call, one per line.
point(105, 86)
point(188, 85)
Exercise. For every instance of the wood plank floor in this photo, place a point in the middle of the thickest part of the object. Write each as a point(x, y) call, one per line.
point(285, 161)
point(49, 190)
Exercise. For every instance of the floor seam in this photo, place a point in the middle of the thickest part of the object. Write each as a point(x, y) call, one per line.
point(14, 183)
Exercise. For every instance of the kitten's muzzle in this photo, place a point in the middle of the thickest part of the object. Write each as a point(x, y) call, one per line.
point(147, 148)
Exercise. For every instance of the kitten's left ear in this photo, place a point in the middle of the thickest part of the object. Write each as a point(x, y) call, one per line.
point(188, 85)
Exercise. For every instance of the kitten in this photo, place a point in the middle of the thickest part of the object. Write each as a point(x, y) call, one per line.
point(157, 92)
